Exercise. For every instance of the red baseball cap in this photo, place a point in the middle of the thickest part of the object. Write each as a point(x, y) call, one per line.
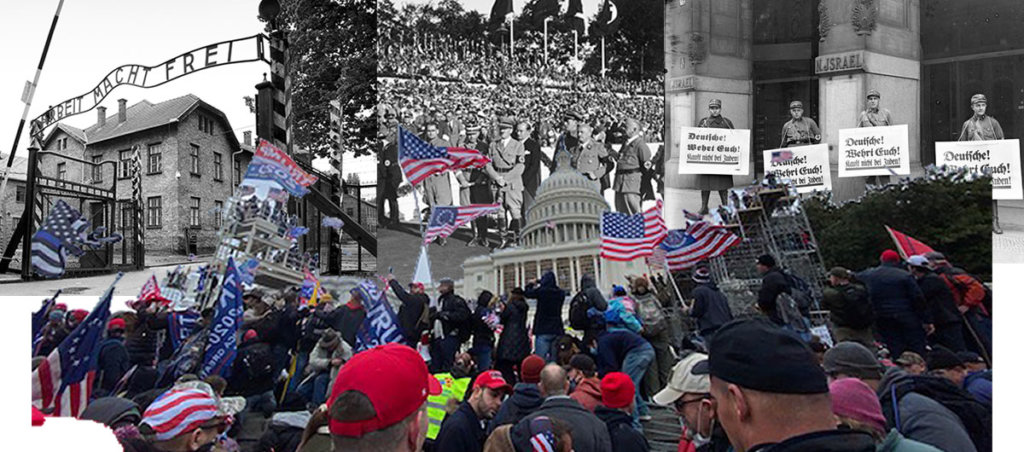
point(492, 379)
point(617, 390)
point(115, 324)
point(395, 379)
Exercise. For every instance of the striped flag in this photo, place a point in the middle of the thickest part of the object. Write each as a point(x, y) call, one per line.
point(310, 290)
point(627, 237)
point(781, 156)
point(140, 221)
point(702, 240)
point(60, 234)
point(907, 245)
point(151, 291)
point(64, 380)
point(421, 160)
point(445, 220)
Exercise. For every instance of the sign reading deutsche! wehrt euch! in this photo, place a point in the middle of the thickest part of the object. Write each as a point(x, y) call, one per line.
point(806, 167)
point(714, 151)
point(998, 158)
point(874, 151)
point(241, 50)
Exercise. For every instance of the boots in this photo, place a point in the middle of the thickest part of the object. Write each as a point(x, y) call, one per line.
point(514, 232)
point(995, 218)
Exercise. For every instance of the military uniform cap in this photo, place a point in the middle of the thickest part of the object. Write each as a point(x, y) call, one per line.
point(574, 115)
point(873, 93)
point(506, 122)
point(796, 104)
point(978, 98)
point(715, 103)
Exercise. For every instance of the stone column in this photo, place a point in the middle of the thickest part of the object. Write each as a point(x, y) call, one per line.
point(708, 47)
point(868, 44)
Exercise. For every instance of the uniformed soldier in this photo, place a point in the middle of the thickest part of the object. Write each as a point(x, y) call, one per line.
point(718, 182)
point(437, 189)
point(475, 187)
point(389, 173)
point(506, 169)
point(590, 157)
point(982, 127)
point(799, 131)
point(570, 127)
point(601, 138)
point(874, 116)
point(633, 157)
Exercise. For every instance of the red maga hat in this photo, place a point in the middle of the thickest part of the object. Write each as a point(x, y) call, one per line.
point(492, 379)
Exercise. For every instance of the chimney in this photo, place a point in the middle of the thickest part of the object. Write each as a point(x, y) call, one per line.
point(101, 116)
point(122, 114)
point(247, 137)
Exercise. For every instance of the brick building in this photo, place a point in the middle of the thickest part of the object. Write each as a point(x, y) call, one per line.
point(13, 204)
point(191, 163)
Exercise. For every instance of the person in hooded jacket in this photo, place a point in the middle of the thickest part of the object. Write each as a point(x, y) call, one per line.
point(113, 361)
point(525, 398)
point(347, 319)
point(414, 301)
point(52, 334)
point(902, 317)
point(658, 335)
point(710, 306)
point(483, 335)
point(617, 394)
point(514, 342)
point(586, 387)
point(856, 407)
point(141, 339)
point(945, 316)
point(326, 358)
point(547, 321)
point(597, 302)
point(773, 283)
point(455, 316)
point(252, 374)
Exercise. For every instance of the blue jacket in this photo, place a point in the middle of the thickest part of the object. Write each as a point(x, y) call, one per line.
point(894, 292)
point(113, 362)
point(617, 316)
point(710, 308)
point(524, 400)
point(613, 346)
point(550, 298)
point(624, 437)
point(461, 431)
point(979, 384)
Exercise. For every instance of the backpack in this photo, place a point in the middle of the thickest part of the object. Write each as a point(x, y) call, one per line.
point(975, 416)
point(858, 310)
point(465, 328)
point(801, 293)
point(578, 307)
point(788, 310)
point(651, 316)
point(969, 290)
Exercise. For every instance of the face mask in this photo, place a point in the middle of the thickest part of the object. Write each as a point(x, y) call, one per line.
point(693, 434)
point(572, 386)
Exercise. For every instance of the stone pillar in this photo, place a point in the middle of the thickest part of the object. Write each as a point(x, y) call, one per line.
point(868, 44)
point(708, 47)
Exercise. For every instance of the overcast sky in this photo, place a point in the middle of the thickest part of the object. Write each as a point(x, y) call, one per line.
point(95, 36)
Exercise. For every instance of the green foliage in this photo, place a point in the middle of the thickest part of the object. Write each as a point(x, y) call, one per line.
point(331, 46)
point(943, 210)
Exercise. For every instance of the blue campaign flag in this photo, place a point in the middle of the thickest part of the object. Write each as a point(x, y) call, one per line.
point(381, 325)
point(222, 344)
point(180, 326)
point(266, 172)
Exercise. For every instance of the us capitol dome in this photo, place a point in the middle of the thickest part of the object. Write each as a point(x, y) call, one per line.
point(562, 233)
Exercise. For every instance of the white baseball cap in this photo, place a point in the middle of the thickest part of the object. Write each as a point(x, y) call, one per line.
point(686, 377)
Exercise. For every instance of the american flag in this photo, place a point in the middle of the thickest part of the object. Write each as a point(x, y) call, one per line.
point(151, 291)
point(64, 380)
point(692, 216)
point(63, 229)
point(445, 220)
point(702, 240)
point(420, 159)
point(781, 156)
point(627, 237)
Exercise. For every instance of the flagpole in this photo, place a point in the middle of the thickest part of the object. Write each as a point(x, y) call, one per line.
point(575, 44)
point(511, 37)
point(602, 56)
point(546, 20)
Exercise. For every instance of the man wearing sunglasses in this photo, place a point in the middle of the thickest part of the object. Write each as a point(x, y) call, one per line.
point(689, 392)
point(185, 420)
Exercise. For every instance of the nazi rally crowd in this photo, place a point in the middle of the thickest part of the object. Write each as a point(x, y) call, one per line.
point(909, 369)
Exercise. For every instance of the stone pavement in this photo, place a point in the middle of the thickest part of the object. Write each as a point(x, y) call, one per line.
point(663, 430)
point(1008, 247)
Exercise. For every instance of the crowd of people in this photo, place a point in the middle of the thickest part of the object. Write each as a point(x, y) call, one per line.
point(580, 374)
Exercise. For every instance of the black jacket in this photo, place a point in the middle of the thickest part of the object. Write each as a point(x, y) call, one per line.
point(112, 363)
point(346, 321)
point(525, 399)
point(772, 284)
point(588, 432)
point(461, 432)
point(823, 441)
point(514, 343)
point(454, 315)
point(483, 335)
point(894, 292)
point(550, 298)
point(312, 328)
point(252, 372)
point(939, 298)
point(288, 326)
point(624, 437)
point(141, 341)
point(410, 311)
point(710, 308)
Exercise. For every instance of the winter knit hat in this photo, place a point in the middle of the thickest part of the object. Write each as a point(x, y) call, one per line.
point(853, 359)
point(702, 275)
point(854, 399)
point(617, 390)
point(530, 368)
point(890, 257)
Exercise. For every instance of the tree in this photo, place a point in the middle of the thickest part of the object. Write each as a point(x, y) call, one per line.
point(332, 57)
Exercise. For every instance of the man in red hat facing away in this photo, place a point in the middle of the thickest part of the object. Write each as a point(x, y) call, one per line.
point(901, 311)
point(379, 401)
point(463, 430)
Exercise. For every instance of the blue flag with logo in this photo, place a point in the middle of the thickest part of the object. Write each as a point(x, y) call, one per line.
point(222, 344)
point(381, 324)
point(180, 326)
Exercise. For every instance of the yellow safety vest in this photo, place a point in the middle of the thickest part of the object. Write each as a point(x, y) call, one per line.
point(451, 388)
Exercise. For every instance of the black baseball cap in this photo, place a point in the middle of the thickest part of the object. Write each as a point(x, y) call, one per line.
point(766, 259)
point(757, 354)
